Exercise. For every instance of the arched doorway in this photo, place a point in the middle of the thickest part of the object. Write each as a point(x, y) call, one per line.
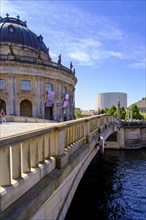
point(26, 108)
point(48, 113)
point(3, 105)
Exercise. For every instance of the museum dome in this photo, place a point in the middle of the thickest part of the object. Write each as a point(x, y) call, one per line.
point(13, 30)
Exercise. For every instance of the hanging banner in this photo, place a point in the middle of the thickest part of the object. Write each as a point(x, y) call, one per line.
point(73, 102)
point(50, 99)
point(66, 99)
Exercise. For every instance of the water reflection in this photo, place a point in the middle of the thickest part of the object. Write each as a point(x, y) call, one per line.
point(112, 188)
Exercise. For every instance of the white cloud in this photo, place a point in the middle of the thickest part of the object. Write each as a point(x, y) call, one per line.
point(115, 54)
point(88, 39)
point(139, 64)
point(80, 56)
point(11, 8)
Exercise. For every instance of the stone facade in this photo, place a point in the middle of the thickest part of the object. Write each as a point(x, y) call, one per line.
point(25, 72)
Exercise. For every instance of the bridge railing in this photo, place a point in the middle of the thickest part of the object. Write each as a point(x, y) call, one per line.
point(26, 158)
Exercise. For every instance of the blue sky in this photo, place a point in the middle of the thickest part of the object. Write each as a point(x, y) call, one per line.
point(105, 40)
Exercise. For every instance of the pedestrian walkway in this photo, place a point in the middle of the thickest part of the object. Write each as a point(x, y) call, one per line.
point(13, 128)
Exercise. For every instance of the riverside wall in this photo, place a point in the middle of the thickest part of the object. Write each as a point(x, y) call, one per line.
point(132, 135)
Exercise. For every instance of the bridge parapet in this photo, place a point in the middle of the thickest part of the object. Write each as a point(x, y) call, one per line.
point(134, 124)
point(27, 158)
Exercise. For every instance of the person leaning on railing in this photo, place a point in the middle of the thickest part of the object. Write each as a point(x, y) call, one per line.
point(2, 115)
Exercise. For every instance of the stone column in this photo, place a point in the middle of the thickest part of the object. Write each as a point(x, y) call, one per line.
point(58, 100)
point(11, 88)
point(38, 98)
point(55, 88)
point(43, 97)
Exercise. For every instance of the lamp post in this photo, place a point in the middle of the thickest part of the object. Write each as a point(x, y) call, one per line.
point(119, 109)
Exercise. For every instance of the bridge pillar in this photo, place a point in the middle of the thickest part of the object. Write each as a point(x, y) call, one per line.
point(57, 148)
point(121, 138)
point(87, 132)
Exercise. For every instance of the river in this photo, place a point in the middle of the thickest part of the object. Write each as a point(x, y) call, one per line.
point(112, 188)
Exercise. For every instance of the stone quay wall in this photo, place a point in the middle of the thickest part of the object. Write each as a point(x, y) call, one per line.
point(133, 135)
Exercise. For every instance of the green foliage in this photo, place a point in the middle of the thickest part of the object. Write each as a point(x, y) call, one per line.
point(144, 98)
point(114, 111)
point(111, 111)
point(122, 112)
point(135, 112)
point(78, 114)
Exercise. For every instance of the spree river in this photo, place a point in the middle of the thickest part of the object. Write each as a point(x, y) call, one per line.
point(112, 188)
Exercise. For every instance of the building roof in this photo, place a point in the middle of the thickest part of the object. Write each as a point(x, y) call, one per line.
point(13, 30)
point(88, 113)
point(141, 104)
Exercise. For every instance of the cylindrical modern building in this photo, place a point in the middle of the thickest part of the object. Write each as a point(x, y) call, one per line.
point(108, 99)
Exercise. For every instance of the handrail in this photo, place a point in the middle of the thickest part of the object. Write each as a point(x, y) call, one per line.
point(27, 158)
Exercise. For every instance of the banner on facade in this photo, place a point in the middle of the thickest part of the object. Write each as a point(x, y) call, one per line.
point(73, 102)
point(66, 99)
point(50, 99)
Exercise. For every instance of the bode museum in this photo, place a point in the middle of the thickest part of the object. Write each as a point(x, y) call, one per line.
point(31, 84)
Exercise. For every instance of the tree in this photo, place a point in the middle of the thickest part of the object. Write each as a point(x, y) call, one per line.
point(78, 114)
point(122, 113)
point(135, 112)
point(114, 111)
point(111, 111)
point(144, 98)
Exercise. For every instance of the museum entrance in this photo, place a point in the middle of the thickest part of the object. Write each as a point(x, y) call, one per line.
point(26, 108)
point(2, 105)
point(49, 113)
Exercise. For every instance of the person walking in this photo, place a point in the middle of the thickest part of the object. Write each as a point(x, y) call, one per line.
point(2, 115)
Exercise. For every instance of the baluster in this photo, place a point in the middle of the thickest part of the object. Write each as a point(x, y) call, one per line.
point(34, 152)
point(16, 162)
point(26, 166)
point(77, 138)
point(47, 146)
point(6, 166)
point(71, 131)
point(41, 156)
point(80, 130)
point(66, 138)
point(74, 126)
point(77, 132)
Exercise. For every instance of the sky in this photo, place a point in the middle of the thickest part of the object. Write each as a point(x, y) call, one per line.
point(104, 39)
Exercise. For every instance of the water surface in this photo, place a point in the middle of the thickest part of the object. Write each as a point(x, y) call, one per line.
point(112, 188)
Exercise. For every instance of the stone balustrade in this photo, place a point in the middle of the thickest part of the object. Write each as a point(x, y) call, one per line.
point(35, 60)
point(26, 158)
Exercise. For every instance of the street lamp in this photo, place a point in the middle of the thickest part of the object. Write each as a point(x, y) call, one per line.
point(119, 109)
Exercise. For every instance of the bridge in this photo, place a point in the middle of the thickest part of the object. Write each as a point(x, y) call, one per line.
point(42, 167)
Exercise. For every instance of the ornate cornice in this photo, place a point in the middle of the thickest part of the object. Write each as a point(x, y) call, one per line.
point(37, 70)
point(38, 67)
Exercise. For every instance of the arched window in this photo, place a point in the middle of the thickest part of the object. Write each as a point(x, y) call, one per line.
point(11, 28)
point(26, 108)
point(49, 113)
point(3, 105)
point(49, 87)
point(40, 38)
point(2, 85)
